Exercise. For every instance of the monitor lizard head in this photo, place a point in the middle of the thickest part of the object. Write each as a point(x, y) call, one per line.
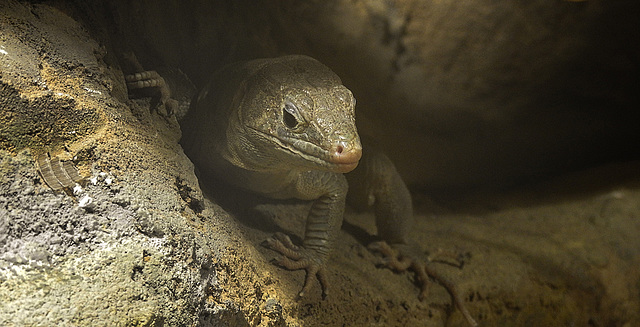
point(293, 112)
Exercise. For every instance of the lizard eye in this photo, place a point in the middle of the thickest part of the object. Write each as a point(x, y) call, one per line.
point(291, 117)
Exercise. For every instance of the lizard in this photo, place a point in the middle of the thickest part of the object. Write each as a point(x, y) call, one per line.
point(285, 128)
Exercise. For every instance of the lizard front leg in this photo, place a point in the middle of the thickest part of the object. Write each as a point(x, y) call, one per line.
point(376, 183)
point(323, 224)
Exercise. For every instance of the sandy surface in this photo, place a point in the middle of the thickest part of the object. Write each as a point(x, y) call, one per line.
point(562, 253)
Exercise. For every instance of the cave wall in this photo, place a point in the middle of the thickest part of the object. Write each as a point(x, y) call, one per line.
point(461, 95)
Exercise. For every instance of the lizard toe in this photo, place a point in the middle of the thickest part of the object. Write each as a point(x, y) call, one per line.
point(396, 260)
point(282, 244)
point(296, 257)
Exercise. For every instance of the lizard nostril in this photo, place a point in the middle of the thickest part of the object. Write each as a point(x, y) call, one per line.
point(346, 154)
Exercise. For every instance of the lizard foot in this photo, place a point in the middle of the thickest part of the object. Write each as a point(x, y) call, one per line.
point(398, 262)
point(151, 80)
point(297, 257)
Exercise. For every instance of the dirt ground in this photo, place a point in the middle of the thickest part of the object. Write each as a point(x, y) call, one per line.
point(158, 247)
point(561, 253)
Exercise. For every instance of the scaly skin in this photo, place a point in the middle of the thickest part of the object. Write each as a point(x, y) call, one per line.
point(284, 128)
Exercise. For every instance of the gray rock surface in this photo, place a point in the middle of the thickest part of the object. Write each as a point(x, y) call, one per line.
point(129, 257)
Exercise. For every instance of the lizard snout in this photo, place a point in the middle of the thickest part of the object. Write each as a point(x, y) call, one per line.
point(345, 155)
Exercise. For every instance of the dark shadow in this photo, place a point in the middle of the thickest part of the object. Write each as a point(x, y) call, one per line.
point(561, 188)
point(243, 205)
point(362, 236)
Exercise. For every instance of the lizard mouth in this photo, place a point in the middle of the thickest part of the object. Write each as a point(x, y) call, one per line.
point(342, 158)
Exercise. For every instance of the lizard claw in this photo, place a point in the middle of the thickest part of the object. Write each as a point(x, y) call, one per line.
point(391, 257)
point(297, 257)
point(398, 262)
point(151, 80)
